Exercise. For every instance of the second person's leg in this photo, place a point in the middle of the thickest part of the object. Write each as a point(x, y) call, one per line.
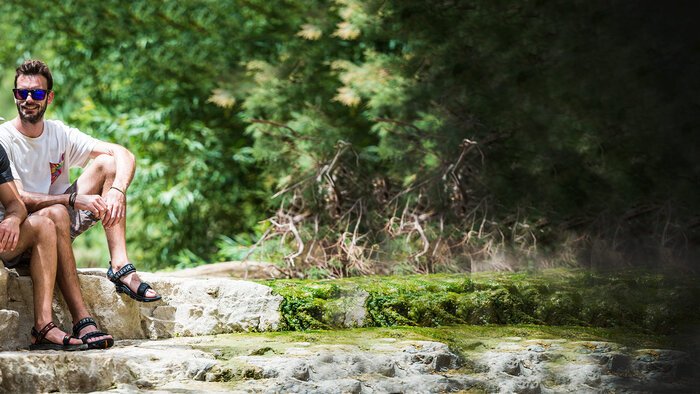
point(67, 273)
point(38, 234)
point(97, 179)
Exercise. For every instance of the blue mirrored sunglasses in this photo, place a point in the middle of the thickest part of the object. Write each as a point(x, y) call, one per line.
point(37, 94)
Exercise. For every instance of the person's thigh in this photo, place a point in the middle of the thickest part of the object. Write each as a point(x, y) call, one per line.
point(92, 180)
point(27, 237)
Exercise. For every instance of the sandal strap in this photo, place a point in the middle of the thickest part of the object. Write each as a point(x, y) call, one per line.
point(40, 335)
point(125, 270)
point(66, 340)
point(92, 335)
point(82, 323)
point(143, 288)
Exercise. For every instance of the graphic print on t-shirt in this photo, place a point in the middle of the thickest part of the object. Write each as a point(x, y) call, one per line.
point(56, 168)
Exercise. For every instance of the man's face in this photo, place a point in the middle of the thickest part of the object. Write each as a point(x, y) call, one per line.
point(31, 110)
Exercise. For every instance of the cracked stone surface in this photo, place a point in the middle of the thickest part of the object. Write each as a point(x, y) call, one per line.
point(171, 346)
point(190, 307)
point(516, 366)
point(143, 364)
point(268, 363)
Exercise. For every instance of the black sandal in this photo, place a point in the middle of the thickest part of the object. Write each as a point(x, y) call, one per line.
point(140, 294)
point(42, 343)
point(101, 344)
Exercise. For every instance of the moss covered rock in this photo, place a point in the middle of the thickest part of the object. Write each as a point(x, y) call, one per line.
point(647, 302)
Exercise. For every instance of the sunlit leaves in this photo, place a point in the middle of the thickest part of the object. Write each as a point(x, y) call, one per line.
point(347, 96)
point(346, 31)
point(223, 98)
point(310, 32)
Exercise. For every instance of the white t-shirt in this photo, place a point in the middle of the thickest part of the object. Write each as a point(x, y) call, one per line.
point(42, 164)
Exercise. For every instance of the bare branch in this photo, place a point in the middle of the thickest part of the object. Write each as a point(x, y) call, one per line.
point(277, 124)
point(426, 243)
point(260, 241)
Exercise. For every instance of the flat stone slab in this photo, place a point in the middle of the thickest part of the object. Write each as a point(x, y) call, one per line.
point(375, 367)
point(139, 364)
point(229, 269)
point(352, 361)
point(189, 307)
point(554, 366)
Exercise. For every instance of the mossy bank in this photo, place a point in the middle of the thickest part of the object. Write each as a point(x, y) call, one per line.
point(646, 302)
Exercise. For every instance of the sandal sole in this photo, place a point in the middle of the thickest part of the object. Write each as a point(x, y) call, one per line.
point(54, 346)
point(126, 290)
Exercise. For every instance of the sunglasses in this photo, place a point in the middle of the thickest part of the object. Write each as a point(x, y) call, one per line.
point(37, 94)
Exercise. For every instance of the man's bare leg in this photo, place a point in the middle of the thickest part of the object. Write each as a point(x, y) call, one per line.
point(97, 179)
point(39, 234)
point(67, 273)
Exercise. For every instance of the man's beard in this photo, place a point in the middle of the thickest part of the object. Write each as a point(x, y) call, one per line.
point(33, 119)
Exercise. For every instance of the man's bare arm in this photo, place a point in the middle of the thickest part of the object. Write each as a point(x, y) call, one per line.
point(36, 201)
point(115, 196)
point(123, 159)
point(15, 213)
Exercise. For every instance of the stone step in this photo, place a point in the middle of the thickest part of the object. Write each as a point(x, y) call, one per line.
point(189, 307)
point(171, 346)
point(143, 364)
point(217, 364)
point(353, 361)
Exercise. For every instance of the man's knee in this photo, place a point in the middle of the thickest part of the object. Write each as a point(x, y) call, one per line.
point(105, 164)
point(43, 229)
point(57, 213)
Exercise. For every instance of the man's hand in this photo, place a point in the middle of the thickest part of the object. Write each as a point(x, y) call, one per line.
point(93, 203)
point(9, 234)
point(116, 208)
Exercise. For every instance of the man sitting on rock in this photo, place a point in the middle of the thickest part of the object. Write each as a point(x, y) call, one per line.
point(41, 153)
point(36, 235)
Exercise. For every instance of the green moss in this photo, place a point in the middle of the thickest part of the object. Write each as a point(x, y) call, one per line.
point(643, 302)
point(462, 339)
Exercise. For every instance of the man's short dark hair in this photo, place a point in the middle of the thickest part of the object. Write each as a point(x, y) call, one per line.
point(35, 67)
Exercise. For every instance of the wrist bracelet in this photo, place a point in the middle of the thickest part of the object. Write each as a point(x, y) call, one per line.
point(119, 190)
point(71, 200)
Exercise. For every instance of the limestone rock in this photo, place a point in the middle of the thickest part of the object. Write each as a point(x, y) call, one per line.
point(557, 366)
point(189, 307)
point(662, 365)
point(145, 365)
point(4, 274)
point(244, 363)
point(9, 321)
point(405, 366)
point(21, 300)
point(229, 269)
point(349, 310)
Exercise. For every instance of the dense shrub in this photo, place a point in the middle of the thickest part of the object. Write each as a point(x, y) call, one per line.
point(400, 136)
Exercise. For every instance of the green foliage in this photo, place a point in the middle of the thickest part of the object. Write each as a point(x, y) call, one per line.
point(354, 122)
point(141, 75)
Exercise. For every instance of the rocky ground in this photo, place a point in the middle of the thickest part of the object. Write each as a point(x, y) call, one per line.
point(217, 334)
point(353, 361)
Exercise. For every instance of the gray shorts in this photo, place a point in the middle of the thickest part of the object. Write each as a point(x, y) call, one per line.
point(80, 221)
